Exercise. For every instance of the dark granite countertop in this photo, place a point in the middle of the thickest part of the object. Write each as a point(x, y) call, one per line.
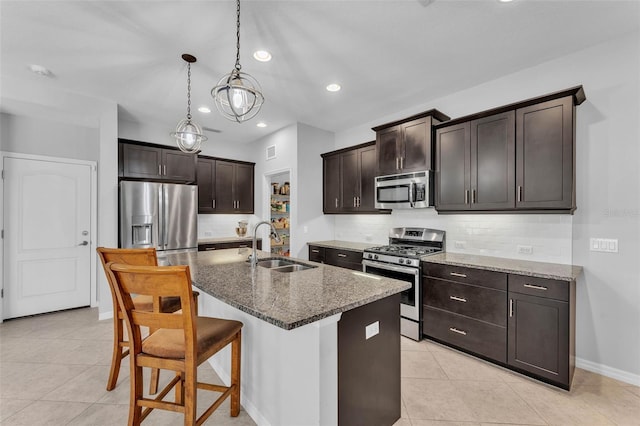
point(555, 271)
point(286, 300)
point(342, 245)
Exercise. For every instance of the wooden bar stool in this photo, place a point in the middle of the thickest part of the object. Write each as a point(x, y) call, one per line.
point(143, 257)
point(182, 341)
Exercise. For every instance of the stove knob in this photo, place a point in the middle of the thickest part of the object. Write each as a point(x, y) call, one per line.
point(375, 256)
point(370, 256)
point(401, 261)
point(408, 262)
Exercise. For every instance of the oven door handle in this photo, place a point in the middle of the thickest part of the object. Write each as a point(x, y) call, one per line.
point(411, 271)
point(412, 197)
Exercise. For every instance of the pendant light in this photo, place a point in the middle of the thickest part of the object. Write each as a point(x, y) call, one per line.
point(188, 134)
point(238, 95)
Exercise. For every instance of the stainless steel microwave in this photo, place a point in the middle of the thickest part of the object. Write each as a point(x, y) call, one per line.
point(405, 191)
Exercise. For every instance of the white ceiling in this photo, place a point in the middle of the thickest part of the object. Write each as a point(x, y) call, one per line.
point(388, 55)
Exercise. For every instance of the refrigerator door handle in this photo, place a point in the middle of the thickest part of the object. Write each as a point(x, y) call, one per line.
point(163, 219)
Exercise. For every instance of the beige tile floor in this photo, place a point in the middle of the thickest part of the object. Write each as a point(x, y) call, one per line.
point(53, 371)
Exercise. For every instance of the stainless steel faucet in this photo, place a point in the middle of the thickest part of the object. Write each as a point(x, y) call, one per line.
point(253, 259)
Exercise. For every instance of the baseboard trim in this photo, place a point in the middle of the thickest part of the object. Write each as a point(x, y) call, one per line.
point(614, 373)
point(105, 315)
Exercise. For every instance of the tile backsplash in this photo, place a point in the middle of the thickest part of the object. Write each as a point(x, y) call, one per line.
point(222, 225)
point(536, 237)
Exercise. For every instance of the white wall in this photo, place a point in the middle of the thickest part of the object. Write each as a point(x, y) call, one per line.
point(608, 196)
point(311, 143)
point(39, 136)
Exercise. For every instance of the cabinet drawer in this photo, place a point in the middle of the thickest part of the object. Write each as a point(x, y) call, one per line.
point(460, 274)
point(316, 254)
point(337, 257)
point(541, 287)
point(231, 244)
point(467, 333)
point(473, 301)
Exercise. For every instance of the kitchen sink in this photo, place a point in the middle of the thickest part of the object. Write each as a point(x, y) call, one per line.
point(283, 265)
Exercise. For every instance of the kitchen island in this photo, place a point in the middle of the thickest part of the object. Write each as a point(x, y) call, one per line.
point(320, 346)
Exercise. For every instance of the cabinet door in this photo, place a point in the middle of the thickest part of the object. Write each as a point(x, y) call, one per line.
point(316, 254)
point(178, 166)
point(331, 184)
point(243, 188)
point(387, 141)
point(415, 151)
point(453, 152)
point(224, 187)
point(493, 162)
point(368, 173)
point(538, 339)
point(206, 175)
point(350, 179)
point(545, 155)
point(141, 161)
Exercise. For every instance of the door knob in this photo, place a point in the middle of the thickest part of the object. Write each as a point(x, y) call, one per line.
point(84, 243)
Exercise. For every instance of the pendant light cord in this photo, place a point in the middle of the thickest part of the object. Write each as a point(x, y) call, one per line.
point(238, 66)
point(189, 91)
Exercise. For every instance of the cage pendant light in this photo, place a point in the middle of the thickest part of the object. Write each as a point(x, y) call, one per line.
point(188, 134)
point(238, 95)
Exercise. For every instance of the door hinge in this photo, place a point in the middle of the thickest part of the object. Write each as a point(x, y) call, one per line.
point(2, 234)
point(2, 174)
point(2, 293)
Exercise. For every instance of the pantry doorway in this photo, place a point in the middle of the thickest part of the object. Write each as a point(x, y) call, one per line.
point(280, 211)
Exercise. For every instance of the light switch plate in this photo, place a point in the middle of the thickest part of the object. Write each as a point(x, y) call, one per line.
point(371, 330)
point(606, 245)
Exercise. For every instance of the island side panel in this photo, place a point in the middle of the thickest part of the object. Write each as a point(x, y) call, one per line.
point(369, 369)
point(288, 377)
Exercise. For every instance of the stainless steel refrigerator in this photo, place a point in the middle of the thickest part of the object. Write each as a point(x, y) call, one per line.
point(159, 215)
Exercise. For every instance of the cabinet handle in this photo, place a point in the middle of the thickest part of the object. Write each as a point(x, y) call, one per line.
point(473, 196)
point(355, 203)
point(358, 202)
point(455, 274)
point(397, 163)
point(209, 248)
point(466, 196)
point(455, 330)
point(159, 170)
point(342, 255)
point(164, 168)
point(238, 204)
point(510, 308)
point(401, 163)
point(213, 203)
point(519, 193)
point(535, 287)
point(315, 251)
point(336, 203)
point(243, 246)
point(458, 299)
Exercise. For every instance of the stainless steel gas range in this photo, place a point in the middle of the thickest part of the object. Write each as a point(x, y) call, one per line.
point(401, 260)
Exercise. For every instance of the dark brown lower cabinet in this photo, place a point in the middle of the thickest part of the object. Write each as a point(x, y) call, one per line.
point(369, 369)
point(336, 257)
point(524, 323)
point(230, 244)
point(541, 337)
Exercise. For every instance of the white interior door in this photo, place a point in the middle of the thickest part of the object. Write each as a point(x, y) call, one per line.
point(47, 250)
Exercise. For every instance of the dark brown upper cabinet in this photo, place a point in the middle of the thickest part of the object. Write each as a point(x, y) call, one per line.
point(140, 160)
point(348, 180)
point(475, 164)
point(520, 157)
point(545, 155)
point(405, 145)
point(225, 186)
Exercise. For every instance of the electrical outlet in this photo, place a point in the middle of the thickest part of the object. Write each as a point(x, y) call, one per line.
point(208, 234)
point(525, 249)
point(604, 245)
point(459, 244)
point(371, 330)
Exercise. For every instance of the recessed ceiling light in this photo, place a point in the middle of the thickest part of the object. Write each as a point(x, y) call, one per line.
point(505, 1)
point(262, 55)
point(261, 124)
point(333, 87)
point(40, 70)
point(204, 109)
